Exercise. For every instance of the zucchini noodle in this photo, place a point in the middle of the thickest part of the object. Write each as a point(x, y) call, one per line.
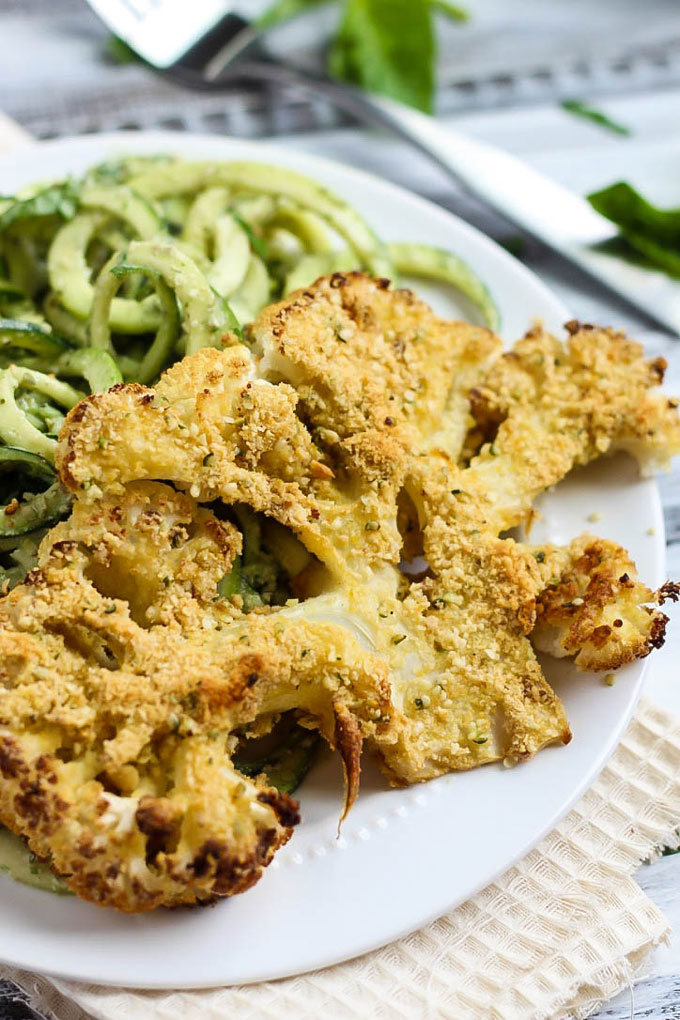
point(144, 260)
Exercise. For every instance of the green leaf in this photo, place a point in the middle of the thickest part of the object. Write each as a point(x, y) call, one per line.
point(650, 233)
point(661, 256)
point(286, 763)
point(452, 11)
point(596, 116)
point(119, 51)
point(59, 199)
point(230, 319)
point(234, 583)
point(387, 46)
point(257, 243)
point(232, 322)
point(627, 208)
point(283, 10)
point(639, 251)
point(515, 244)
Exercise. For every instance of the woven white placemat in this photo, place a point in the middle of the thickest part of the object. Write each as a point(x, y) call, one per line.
point(560, 933)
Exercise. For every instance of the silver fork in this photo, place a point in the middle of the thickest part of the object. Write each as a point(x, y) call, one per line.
point(204, 44)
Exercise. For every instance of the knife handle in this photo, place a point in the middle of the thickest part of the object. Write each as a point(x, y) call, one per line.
point(521, 194)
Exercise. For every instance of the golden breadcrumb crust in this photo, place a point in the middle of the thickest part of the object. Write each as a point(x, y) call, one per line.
point(399, 448)
point(368, 360)
point(116, 732)
point(594, 608)
point(547, 406)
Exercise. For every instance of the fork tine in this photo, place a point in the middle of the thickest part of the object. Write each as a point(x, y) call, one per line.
point(162, 31)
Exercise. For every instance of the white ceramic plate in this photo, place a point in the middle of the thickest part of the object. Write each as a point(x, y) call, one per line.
point(404, 856)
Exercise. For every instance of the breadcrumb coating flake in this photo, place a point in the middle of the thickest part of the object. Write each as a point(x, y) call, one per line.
point(377, 433)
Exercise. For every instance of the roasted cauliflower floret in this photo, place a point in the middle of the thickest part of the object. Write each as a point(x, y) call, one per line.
point(208, 420)
point(548, 406)
point(216, 432)
point(594, 607)
point(116, 738)
point(480, 694)
point(364, 358)
point(153, 548)
point(102, 770)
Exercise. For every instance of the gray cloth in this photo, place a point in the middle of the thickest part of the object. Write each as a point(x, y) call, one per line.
point(15, 1004)
point(56, 77)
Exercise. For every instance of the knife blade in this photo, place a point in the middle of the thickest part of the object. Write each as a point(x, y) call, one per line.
point(553, 214)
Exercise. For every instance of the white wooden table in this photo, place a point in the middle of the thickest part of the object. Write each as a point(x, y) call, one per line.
point(571, 150)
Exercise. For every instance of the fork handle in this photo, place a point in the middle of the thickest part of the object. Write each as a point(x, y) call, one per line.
point(460, 157)
point(370, 109)
point(499, 180)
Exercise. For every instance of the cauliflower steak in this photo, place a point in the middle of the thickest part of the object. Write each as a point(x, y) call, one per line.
point(398, 449)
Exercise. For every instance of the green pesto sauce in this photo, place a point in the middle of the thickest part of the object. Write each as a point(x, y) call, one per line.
point(17, 861)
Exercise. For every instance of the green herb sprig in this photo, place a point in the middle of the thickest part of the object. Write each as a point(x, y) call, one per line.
point(580, 109)
point(385, 46)
point(647, 233)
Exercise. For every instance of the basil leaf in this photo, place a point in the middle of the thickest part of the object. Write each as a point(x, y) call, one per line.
point(257, 243)
point(282, 10)
point(660, 255)
point(651, 233)
point(119, 51)
point(596, 116)
point(387, 46)
point(59, 199)
point(230, 319)
point(626, 207)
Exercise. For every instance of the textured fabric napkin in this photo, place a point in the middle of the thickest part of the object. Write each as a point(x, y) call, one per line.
point(558, 934)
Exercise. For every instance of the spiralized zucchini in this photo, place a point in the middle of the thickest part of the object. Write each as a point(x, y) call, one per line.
point(142, 261)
